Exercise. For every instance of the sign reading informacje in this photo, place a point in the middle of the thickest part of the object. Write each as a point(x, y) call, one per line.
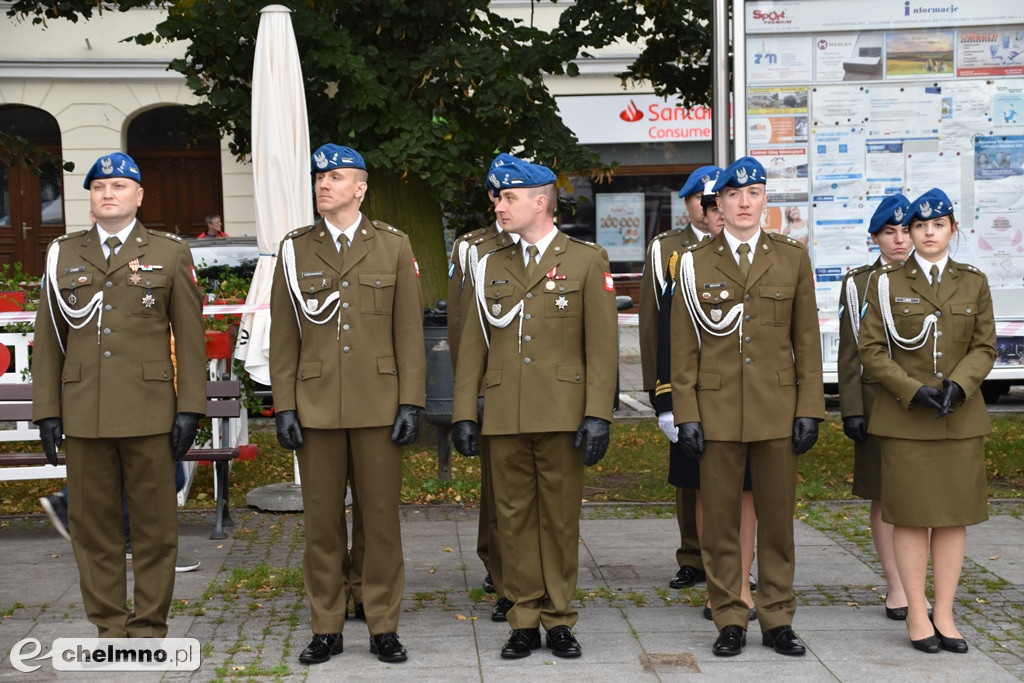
point(605, 119)
point(801, 16)
point(108, 654)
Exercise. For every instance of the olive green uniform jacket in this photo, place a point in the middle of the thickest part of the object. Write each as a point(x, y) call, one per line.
point(965, 349)
point(750, 387)
point(461, 282)
point(356, 371)
point(856, 387)
point(115, 378)
point(565, 364)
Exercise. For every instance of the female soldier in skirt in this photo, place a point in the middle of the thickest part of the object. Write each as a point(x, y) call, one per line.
point(929, 338)
point(857, 388)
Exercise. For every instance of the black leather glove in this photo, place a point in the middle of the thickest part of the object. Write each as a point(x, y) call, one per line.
point(805, 434)
point(952, 393)
point(856, 427)
point(51, 433)
point(691, 438)
point(929, 396)
point(407, 425)
point(464, 435)
point(289, 431)
point(593, 431)
point(183, 433)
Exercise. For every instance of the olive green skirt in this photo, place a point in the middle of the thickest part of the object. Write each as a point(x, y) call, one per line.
point(938, 483)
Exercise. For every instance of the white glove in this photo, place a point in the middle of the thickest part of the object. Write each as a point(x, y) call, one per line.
point(667, 423)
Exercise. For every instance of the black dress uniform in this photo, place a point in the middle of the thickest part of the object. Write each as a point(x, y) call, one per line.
point(466, 252)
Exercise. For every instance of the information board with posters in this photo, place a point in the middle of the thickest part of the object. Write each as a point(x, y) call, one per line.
point(844, 112)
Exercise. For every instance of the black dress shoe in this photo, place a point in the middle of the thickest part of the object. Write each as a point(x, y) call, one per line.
point(957, 645)
point(929, 644)
point(359, 613)
point(488, 584)
point(783, 640)
point(731, 641)
point(687, 576)
point(520, 642)
point(562, 642)
point(387, 648)
point(321, 648)
point(500, 609)
point(897, 613)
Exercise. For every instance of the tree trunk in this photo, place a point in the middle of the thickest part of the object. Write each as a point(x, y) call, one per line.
point(407, 205)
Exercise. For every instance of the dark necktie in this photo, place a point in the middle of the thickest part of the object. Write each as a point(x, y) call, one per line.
point(743, 250)
point(934, 272)
point(531, 261)
point(343, 246)
point(112, 243)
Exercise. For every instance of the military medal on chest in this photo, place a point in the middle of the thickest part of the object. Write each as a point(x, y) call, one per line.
point(148, 299)
point(134, 278)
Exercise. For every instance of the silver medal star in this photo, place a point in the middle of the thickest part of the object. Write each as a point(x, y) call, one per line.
point(561, 303)
point(148, 301)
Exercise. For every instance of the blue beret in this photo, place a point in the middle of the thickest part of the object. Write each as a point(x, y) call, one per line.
point(893, 210)
point(699, 179)
point(740, 173)
point(518, 173)
point(335, 156)
point(114, 165)
point(932, 204)
point(500, 161)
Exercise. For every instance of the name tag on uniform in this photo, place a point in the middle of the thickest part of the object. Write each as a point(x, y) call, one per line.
point(317, 273)
point(714, 285)
point(907, 300)
point(76, 269)
point(499, 282)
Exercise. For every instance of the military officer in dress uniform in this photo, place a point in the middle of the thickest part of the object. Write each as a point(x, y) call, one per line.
point(653, 289)
point(929, 338)
point(102, 374)
point(754, 396)
point(857, 388)
point(348, 369)
point(466, 253)
point(544, 348)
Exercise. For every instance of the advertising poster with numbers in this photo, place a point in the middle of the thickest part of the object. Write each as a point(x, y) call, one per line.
point(620, 225)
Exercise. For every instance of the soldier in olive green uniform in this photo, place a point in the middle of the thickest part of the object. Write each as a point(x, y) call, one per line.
point(754, 395)
point(928, 337)
point(857, 388)
point(653, 288)
point(102, 375)
point(544, 347)
point(466, 253)
point(348, 369)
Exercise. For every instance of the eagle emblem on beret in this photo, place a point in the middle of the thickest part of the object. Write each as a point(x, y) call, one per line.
point(925, 209)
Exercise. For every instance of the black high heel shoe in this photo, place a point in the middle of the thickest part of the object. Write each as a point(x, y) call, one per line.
point(957, 645)
point(929, 644)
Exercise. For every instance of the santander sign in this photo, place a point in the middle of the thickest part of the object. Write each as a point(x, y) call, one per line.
point(633, 118)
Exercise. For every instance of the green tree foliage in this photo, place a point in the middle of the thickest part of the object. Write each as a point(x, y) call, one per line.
point(427, 90)
point(674, 36)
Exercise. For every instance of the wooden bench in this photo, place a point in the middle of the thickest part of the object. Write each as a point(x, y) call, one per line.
point(222, 402)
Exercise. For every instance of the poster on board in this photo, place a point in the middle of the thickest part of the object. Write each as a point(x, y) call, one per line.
point(620, 225)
